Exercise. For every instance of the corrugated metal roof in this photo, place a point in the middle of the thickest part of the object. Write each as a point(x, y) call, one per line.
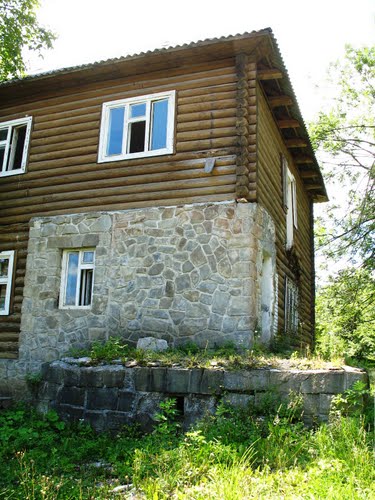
point(172, 48)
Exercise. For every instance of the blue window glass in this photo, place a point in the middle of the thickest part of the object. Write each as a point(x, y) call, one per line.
point(116, 131)
point(88, 257)
point(71, 282)
point(159, 124)
point(138, 110)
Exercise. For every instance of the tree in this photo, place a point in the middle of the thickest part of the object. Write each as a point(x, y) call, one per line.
point(20, 30)
point(344, 138)
point(345, 308)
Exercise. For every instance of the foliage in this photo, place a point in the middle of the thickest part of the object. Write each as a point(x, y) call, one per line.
point(192, 356)
point(20, 30)
point(346, 316)
point(235, 454)
point(344, 137)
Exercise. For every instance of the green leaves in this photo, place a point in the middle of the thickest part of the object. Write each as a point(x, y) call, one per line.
point(20, 31)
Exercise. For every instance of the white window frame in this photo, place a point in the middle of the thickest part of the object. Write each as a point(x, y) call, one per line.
point(7, 281)
point(64, 277)
point(10, 145)
point(291, 208)
point(148, 100)
point(291, 306)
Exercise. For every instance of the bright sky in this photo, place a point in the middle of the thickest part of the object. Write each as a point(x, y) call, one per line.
point(310, 34)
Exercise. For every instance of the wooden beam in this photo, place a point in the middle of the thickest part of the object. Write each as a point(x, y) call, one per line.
point(269, 74)
point(296, 143)
point(308, 174)
point(313, 187)
point(280, 100)
point(291, 123)
point(303, 160)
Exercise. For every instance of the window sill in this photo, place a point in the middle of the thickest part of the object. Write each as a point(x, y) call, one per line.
point(143, 154)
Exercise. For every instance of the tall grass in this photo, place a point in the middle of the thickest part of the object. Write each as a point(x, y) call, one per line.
point(234, 455)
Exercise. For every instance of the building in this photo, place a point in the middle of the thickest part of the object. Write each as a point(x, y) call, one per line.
point(168, 193)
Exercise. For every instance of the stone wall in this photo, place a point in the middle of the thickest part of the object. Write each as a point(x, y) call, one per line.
point(177, 273)
point(110, 396)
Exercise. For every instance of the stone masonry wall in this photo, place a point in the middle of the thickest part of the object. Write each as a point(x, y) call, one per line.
point(110, 396)
point(179, 273)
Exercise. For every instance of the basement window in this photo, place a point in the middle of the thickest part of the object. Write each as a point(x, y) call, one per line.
point(137, 127)
point(291, 306)
point(6, 275)
point(14, 142)
point(77, 278)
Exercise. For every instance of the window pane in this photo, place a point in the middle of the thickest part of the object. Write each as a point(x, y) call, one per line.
point(4, 267)
point(3, 291)
point(138, 110)
point(88, 257)
point(3, 134)
point(137, 137)
point(116, 131)
point(159, 124)
point(2, 154)
point(86, 287)
point(71, 279)
point(18, 142)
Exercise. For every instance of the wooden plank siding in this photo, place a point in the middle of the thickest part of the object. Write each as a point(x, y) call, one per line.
point(270, 146)
point(63, 175)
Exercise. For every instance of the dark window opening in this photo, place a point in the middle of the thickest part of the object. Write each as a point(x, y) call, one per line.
point(137, 137)
point(86, 287)
point(18, 143)
point(180, 405)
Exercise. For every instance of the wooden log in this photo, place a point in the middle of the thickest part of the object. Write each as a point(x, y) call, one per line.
point(280, 100)
point(288, 123)
point(296, 143)
point(269, 74)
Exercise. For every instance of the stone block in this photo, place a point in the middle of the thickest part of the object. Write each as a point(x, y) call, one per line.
point(126, 401)
point(195, 379)
point(113, 376)
point(91, 376)
point(325, 401)
point(238, 400)
point(353, 375)
point(178, 381)
point(116, 420)
point(152, 344)
point(158, 380)
point(142, 379)
point(212, 382)
point(319, 381)
point(102, 399)
point(311, 404)
point(69, 413)
point(73, 396)
point(197, 407)
point(246, 380)
point(96, 419)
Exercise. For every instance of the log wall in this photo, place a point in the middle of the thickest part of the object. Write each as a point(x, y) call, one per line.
point(63, 175)
point(270, 195)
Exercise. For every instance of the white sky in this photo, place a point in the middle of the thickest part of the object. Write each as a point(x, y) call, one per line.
point(311, 34)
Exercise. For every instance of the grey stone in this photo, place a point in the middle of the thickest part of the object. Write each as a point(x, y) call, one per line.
point(74, 396)
point(178, 381)
point(102, 399)
point(126, 401)
point(212, 382)
point(152, 344)
point(246, 381)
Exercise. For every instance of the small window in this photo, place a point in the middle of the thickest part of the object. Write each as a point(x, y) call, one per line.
point(14, 141)
point(77, 278)
point(6, 274)
point(137, 127)
point(290, 203)
point(291, 306)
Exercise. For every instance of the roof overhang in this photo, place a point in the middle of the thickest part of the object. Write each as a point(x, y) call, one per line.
point(261, 46)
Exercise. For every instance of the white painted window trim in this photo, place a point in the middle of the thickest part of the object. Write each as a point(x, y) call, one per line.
point(291, 208)
point(7, 281)
point(148, 99)
point(8, 146)
point(64, 277)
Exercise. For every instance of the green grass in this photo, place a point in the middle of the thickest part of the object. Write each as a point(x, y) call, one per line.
point(236, 454)
point(191, 356)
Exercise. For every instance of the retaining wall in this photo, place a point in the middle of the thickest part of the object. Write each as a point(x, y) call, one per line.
point(109, 396)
